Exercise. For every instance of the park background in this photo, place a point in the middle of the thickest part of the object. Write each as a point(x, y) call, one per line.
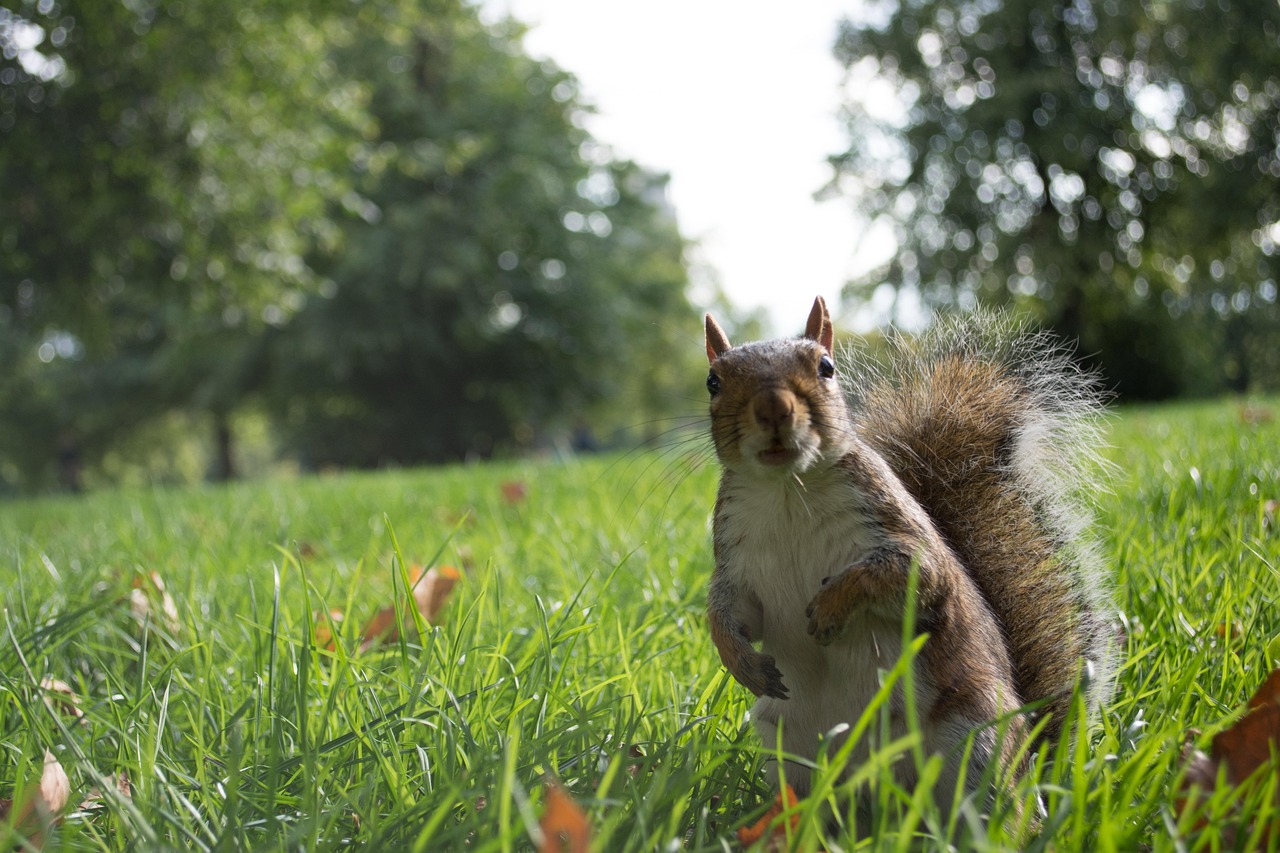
point(245, 240)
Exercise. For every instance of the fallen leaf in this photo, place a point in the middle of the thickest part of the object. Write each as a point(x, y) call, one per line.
point(43, 806)
point(564, 824)
point(59, 697)
point(151, 602)
point(1228, 631)
point(326, 627)
point(514, 491)
point(1240, 750)
point(634, 766)
point(430, 591)
point(55, 787)
point(96, 800)
point(1253, 414)
point(765, 826)
point(1249, 744)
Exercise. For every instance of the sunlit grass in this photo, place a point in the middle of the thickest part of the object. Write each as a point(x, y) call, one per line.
point(576, 648)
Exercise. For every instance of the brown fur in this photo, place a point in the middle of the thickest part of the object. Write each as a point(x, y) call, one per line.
point(948, 433)
point(946, 453)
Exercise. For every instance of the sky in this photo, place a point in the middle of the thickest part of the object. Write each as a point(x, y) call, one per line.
point(738, 102)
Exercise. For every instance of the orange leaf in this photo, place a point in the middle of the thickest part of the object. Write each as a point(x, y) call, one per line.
point(514, 491)
point(431, 591)
point(563, 823)
point(764, 826)
point(326, 627)
point(381, 629)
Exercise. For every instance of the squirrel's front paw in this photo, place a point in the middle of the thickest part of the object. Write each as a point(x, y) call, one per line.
point(761, 676)
point(828, 612)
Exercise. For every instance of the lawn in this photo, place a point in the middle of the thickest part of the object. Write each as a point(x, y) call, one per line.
point(574, 647)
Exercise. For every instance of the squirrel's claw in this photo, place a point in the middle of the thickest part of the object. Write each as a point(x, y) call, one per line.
point(763, 678)
point(826, 617)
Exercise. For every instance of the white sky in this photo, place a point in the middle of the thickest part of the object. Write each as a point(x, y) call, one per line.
point(738, 101)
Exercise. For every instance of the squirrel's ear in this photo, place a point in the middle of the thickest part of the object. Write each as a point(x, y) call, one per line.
point(717, 342)
point(819, 326)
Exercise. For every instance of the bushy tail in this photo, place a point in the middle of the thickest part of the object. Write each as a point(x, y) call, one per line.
point(995, 431)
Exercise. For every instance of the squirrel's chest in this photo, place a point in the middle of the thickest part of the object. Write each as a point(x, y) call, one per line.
point(781, 543)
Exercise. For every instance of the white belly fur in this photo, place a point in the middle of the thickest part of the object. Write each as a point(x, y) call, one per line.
point(786, 541)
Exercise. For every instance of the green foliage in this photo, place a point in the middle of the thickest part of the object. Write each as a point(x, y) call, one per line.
point(576, 647)
point(1110, 165)
point(501, 273)
point(312, 213)
point(166, 196)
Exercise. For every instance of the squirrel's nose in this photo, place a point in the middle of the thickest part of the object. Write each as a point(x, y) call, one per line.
point(774, 407)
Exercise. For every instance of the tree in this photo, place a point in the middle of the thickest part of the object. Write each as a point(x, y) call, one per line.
point(1111, 165)
point(164, 197)
point(500, 273)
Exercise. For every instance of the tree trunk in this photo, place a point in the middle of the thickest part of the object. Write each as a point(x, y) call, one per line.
point(224, 465)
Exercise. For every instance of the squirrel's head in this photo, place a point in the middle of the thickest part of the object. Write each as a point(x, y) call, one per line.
point(776, 407)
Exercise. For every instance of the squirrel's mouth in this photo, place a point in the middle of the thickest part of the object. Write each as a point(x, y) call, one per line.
point(778, 454)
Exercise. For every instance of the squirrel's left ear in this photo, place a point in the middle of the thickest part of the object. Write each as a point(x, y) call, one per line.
point(819, 326)
point(717, 340)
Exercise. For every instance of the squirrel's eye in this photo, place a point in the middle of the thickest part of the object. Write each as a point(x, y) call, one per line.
point(713, 383)
point(826, 367)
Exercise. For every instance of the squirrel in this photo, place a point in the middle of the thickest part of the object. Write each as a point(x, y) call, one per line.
point(958, 462)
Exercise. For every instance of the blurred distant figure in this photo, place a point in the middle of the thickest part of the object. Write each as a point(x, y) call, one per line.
point(70, 465)
point(584, 440)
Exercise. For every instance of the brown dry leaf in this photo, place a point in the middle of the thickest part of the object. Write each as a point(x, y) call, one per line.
point(382, 628)
point(636, 763)
point(1242, 749)
point(430, 592)
point(97, 800)
point(515, 491)
point(43, 807)
point(1227, 630)
point(59, 697)
point(1255, 737)
point(564, 824)
point(749, 835)
point(150, 602)
point(1253, 414)
point(326, 627)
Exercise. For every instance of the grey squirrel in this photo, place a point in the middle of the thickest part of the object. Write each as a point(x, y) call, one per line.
point(959, 460)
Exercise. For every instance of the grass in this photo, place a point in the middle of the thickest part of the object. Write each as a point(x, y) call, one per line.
point(575, 648)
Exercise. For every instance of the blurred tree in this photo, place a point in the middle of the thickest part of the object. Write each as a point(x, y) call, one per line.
point(1111, 165)
point(384, 218)
point(501, 274)
point(169, 163)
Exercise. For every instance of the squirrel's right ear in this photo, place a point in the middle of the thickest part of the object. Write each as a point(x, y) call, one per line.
point(819, 326)
point(717, 341)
